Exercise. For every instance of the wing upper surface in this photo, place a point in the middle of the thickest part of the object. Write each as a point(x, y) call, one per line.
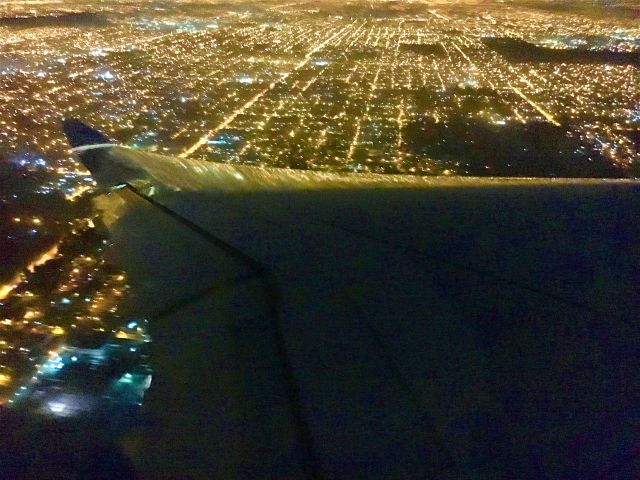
point(413, 327)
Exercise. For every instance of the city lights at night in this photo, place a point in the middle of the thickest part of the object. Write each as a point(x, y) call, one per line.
point(319, 239)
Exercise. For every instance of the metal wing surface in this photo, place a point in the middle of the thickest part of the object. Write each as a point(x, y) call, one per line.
point(310, 324)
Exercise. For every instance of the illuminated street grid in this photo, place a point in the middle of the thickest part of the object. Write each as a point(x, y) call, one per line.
point(296, 86)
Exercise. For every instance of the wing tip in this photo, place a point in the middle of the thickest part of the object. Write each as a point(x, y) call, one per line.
point(80, 134)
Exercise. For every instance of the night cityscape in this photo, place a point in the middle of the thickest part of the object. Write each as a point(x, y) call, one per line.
point(532, 89)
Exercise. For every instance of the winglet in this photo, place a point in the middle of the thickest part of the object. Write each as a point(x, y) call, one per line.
point(95, 151)
point(81, 136)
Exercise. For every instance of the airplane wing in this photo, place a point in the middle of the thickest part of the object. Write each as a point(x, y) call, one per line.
point(323, 325)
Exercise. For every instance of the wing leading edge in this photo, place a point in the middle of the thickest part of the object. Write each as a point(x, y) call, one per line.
point(312, 324)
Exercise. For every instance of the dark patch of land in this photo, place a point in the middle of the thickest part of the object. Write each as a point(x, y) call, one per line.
point(423, 48)
point(65, 19)
point(516, 50)
point(627, 10)
point(17, 244)
point(536, 149)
